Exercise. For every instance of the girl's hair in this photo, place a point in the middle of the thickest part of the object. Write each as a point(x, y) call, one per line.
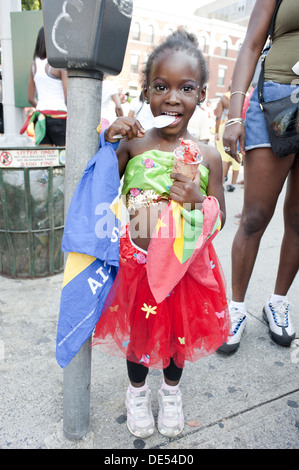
point(40, 46)
point(179, 40)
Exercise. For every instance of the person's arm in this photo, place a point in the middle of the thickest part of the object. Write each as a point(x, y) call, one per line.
point(218, 114)
point(64, 83)
point(118, 107)
point(31, 90)
point(249, 54)
point(215, 186)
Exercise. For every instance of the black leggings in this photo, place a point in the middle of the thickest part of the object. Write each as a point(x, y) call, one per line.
point(138, 372)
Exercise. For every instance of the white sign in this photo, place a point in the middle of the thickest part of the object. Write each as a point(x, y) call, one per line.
point(31, 158)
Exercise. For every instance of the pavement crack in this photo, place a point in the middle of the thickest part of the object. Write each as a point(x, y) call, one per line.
point(226, 418)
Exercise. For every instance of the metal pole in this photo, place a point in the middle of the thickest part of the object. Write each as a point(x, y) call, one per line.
point(84, 113)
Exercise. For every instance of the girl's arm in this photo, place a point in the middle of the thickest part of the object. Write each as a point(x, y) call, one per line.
point(244, 69)
point(31, 90)
point(129, 128)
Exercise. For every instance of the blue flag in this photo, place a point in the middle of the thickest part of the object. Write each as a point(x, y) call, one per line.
point(91, 238)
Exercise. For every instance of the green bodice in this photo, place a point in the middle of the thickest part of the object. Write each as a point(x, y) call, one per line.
point(152, 169)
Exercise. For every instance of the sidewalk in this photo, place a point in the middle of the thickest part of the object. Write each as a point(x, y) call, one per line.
point(249, 400)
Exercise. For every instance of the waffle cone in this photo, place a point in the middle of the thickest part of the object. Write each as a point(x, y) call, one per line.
point(187, 169)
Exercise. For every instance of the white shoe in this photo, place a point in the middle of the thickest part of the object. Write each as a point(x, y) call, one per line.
point(238, 320)
point(140, 420)
point(276, 314)
point(171, 417)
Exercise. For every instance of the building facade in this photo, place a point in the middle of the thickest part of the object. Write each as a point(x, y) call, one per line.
point(219, 41)
point(232, 11)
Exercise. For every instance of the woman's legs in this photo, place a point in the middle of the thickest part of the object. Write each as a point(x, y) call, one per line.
point(289, 254)
point(276, 309)
point(264, 176)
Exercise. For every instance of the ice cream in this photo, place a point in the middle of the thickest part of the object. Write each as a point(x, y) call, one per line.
point(187, 157)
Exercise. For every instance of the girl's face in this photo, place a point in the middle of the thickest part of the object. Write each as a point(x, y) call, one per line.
point(174, 88)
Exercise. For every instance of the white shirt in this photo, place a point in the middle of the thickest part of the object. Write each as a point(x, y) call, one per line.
point(109, 89)
point(142, 112)
point(199, 124)
point(50, 95)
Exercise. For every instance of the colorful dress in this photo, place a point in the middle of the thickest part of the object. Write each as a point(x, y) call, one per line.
point(192, 320)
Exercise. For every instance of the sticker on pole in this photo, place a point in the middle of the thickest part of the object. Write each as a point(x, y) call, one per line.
point(32, 158)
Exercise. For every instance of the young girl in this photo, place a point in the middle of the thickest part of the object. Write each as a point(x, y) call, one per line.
point(192, 321)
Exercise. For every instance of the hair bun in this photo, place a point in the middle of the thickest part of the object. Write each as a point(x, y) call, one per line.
point(182, 33)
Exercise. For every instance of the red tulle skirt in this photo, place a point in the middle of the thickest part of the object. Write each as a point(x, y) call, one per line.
point(192, 322)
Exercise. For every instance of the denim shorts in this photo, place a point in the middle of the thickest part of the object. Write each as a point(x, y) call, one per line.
point(255, 124)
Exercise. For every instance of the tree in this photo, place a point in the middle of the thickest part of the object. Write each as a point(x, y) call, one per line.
point(31, 5)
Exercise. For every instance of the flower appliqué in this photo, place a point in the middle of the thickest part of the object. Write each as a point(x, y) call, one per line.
point(140, 258)
point(148, 163)
point(135, 192)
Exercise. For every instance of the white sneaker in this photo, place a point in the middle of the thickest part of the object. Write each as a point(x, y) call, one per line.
point(280, 327)
point(140, 420)
point(238, 320)
point(171, 417)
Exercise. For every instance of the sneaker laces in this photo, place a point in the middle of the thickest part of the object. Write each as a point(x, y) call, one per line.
point(237, 317)
point(171, 404)
point(139, 405)
point(280, 312)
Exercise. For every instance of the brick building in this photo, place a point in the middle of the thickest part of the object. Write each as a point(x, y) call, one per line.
point(220, 42)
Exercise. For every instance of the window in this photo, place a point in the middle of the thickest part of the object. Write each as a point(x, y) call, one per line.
point(221, 76)
point(224, 49)
point(202, 42)
point(134, 63)
point(149, 34)
point(136, 31)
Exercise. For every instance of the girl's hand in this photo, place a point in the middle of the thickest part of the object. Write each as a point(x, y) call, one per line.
point(186, 191)
point(231, 137)
point(126, 126)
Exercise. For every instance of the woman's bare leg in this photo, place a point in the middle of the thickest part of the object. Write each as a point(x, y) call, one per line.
point(264, 176)
point(289, 254)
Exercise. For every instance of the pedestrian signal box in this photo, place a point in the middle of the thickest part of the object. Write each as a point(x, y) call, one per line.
point(87, 35)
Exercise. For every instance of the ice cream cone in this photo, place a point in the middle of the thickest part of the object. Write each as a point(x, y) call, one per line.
point(187, 169)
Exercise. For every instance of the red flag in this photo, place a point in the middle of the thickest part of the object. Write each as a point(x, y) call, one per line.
point(177, 242)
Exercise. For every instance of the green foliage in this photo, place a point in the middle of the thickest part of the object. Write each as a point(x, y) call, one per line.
point(31, 5)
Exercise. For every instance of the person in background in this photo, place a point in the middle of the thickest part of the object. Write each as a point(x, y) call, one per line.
point(265, 174)
point(227, 161)
point(141, 110)
point(125, 103)
point(47, 93)
point(111, 103)
point(199, 125)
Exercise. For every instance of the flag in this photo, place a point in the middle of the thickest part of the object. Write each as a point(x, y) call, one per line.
point(180, 236)
point(91, 239)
